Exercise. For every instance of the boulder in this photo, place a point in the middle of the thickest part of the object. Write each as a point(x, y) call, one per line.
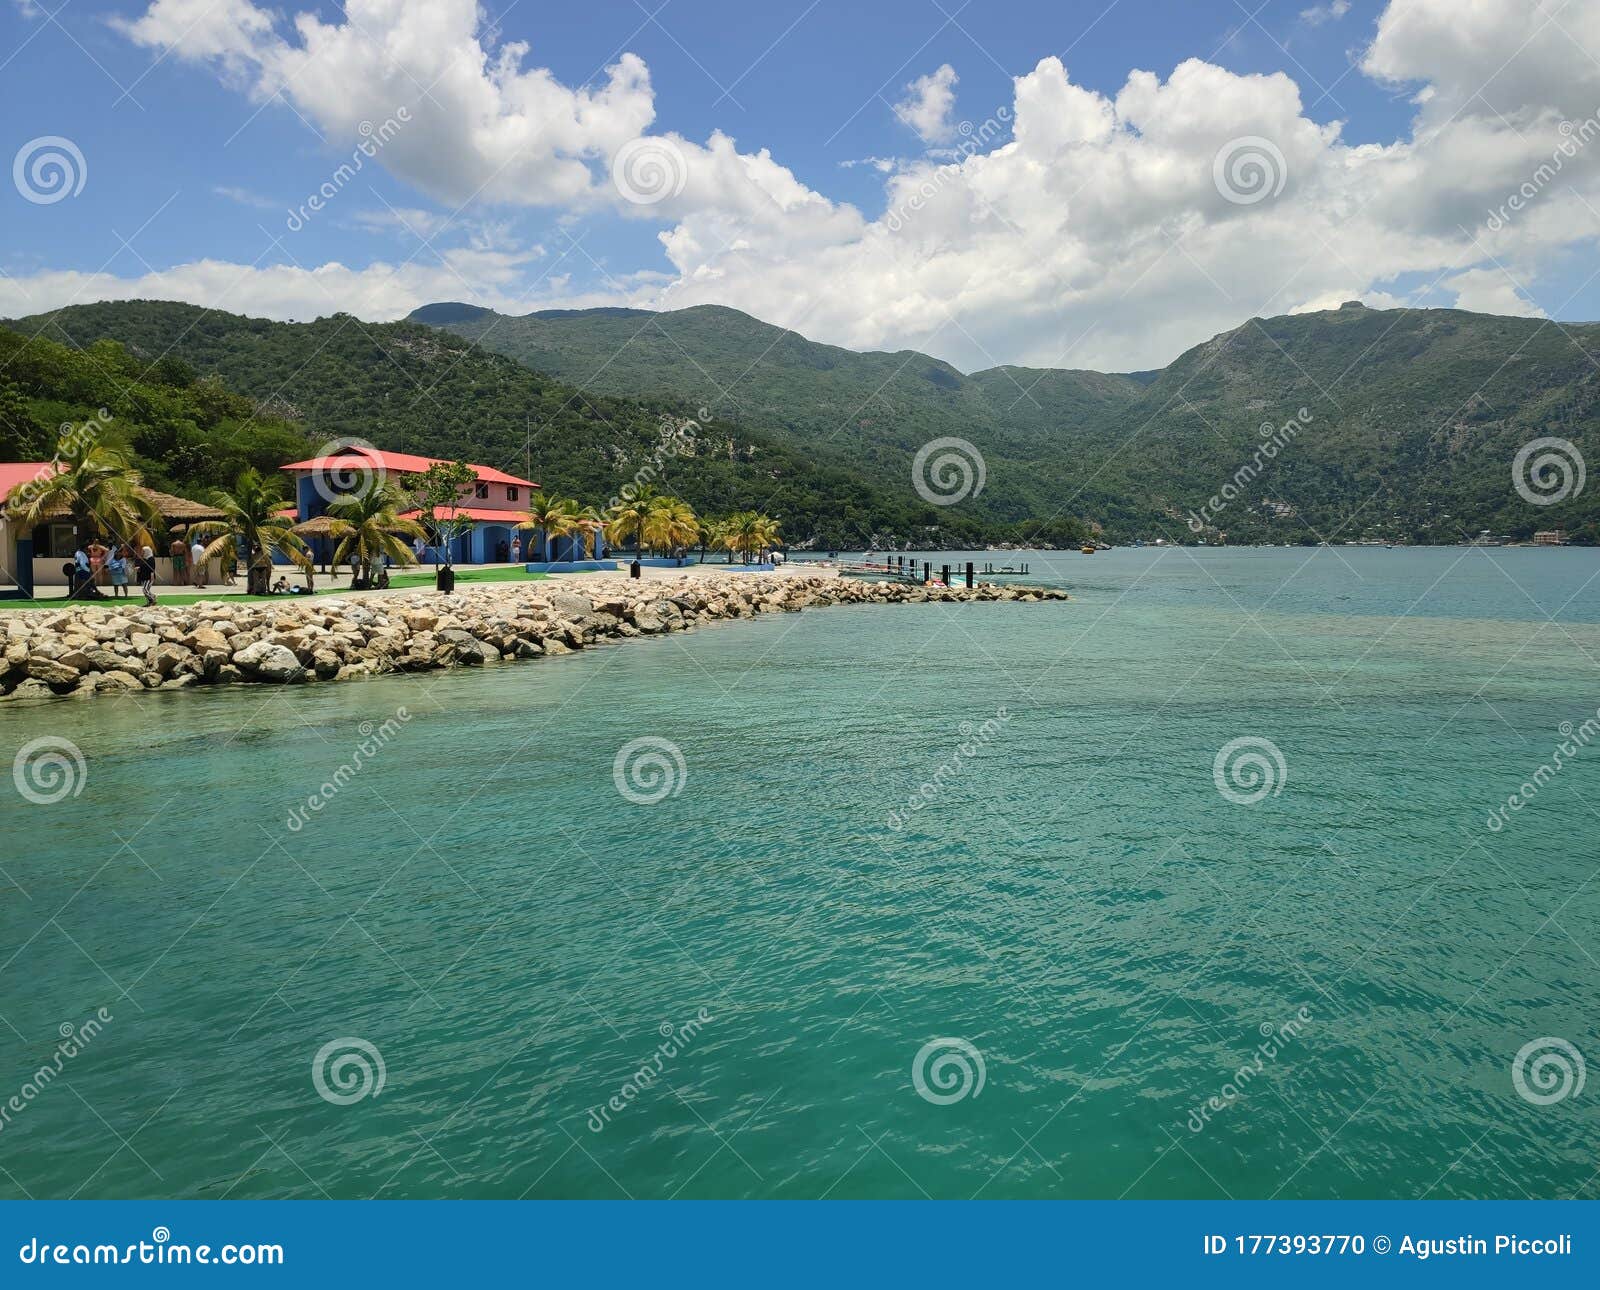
point(268, 661)
point(51, 672)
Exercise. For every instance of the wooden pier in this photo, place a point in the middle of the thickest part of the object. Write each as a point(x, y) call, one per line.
point(899, 568)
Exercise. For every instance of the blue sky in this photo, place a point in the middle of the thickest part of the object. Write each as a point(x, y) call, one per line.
point(190, 157)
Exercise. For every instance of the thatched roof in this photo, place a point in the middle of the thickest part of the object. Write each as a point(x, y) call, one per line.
point(181, 508)
point(317, 526)
point(175, 510)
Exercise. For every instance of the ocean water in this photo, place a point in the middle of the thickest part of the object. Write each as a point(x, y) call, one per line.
point(936, 901)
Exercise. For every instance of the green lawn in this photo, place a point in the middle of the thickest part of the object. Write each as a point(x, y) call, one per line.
point(464, 577)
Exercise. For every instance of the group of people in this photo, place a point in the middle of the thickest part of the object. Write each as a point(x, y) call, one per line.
point(96, 565)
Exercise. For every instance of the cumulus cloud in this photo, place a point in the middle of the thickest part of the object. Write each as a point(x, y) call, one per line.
point(1110, 230)
point(928, 104)
point(1317, 15)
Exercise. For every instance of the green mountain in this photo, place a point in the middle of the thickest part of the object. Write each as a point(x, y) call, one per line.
point(1413, 417)
point(412, 388)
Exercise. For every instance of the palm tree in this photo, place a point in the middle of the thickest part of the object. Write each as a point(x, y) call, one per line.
point(369, 528)
point(630, 516)
point(251, 517)
point(95, 486)
point(554, 517)
point(590, 523)
point(683, 525)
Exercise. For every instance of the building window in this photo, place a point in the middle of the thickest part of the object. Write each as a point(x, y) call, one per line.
point(511, 494)
point(481, 491)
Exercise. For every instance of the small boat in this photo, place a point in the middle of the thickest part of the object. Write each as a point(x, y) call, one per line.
point(1087, 549)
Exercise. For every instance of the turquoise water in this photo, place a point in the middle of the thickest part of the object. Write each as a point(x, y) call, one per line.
point(1080, 906)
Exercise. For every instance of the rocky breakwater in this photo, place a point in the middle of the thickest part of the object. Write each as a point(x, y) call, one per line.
point(99, 649)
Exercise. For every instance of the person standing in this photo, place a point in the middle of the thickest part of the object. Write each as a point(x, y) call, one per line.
point(81, 584)
point(97, 562)
point(197, 557)
point(516, 550)
point(117, 567)
point(147, 573)
point(179, 552)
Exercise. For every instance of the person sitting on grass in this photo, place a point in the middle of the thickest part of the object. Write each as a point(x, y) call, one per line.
point(281, 586)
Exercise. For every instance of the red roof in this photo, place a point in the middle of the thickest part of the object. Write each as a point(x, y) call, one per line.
point(13, 473)
point(471, 513)
point(398, 463)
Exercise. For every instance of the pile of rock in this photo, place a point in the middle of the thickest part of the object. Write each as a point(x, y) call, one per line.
point(85, 649)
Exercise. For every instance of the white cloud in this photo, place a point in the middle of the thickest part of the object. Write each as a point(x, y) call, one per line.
point(1491, 291)
point(928, 103)
point(1095, 234)
point(1323, 13)
point(244, 197)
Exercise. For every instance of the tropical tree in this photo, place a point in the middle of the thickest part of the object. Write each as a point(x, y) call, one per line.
point(629, 516)
point(554, 517)
point(748, 532)
point(369, 527)
point(683, 525)
point(438, 493)
point(591, 523)
point(94, 485)
point(251, 519)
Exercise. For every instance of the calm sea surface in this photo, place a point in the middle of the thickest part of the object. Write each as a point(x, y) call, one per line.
point(1320, 993)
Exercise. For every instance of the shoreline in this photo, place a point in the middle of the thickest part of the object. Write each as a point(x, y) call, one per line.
point(95, 648)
